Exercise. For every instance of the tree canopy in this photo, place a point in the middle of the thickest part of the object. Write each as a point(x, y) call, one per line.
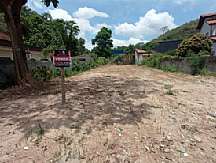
point(103, 43)
point(41, 31)
point(194, 45)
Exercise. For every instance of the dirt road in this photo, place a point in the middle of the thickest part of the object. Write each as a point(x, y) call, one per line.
point(114, 114)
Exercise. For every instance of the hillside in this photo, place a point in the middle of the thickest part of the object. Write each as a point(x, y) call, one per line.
point(182, 32)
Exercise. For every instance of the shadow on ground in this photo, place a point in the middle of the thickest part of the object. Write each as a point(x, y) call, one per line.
point(97, 102)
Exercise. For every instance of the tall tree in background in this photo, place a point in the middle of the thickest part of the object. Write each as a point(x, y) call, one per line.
point(103, 42)
point(81, 46)
point(12, 11)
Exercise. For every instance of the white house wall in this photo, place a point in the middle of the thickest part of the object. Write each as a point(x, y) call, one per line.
point(206, 29)
point(7, 52)
point(213, 30)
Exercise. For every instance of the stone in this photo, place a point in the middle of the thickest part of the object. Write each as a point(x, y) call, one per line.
point(197, 139)
point(26, 148)
point(166, 150)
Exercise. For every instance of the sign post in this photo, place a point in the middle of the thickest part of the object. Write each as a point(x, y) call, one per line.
point(61, 59)
point(62, 85)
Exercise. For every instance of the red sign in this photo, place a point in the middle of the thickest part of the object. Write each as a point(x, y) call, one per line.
point(62, 58)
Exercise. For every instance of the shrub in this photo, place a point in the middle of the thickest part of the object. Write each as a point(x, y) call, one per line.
point(155, 60)
point(171, 53)
point(169, 68)
point(45, 74)
point(197, 63)
point(194, 45)
point(42, 73)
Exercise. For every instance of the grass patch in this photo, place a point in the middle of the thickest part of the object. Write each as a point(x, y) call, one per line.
point(169, 90)
point(36, 134)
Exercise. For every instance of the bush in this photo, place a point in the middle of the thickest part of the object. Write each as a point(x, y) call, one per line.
point(45, 74)
point(42, 73)
point(197, 63)
point(171, 53)
point(169, 68)
point(194, 45)
point(155, 60)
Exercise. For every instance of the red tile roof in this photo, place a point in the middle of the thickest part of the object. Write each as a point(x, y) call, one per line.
point(211, 22)
point(203, 17)
point(209, 14)
point(213, 38)
point(140, 51)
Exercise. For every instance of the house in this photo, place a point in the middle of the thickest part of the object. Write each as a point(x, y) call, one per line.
point(207, 26)
point(141, 55)
point(6, 49)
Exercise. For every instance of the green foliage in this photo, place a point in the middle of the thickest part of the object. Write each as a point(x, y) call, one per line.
point(150, 45)
point(46, 53)
point(156, 59)
point(44, 32)
point(45, 74)
point(103, 43)
point(42, 74)
point(3, 26)
point(78, 66)
point(197, 63)
point(205, 72)
point(171, 53)
point(169, 68)
point(180, 33)
point(130, 49)
point(194, 45)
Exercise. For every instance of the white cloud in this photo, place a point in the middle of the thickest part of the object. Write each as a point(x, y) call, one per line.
point(133, 41)
point(88, 13)
point(60, 14)
point(181, 2)
point(148, 25)
point(83, 22)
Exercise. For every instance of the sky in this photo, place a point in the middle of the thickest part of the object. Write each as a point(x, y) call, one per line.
point(131, 21)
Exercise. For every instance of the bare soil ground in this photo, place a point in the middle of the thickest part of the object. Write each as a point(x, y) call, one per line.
point(114, 114)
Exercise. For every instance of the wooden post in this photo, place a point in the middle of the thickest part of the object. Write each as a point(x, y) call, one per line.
point(62, 85)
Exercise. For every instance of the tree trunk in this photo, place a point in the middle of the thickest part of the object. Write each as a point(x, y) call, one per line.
point(12, 18)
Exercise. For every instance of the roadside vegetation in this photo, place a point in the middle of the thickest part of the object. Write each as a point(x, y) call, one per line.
point(193, 52)
point(48, 73)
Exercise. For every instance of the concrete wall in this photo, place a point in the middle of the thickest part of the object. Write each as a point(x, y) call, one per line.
point(138, 58)
point(6, 52)
point(184, 65)
point(181, 65)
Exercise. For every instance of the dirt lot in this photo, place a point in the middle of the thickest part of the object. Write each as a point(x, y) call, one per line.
point(114, 114)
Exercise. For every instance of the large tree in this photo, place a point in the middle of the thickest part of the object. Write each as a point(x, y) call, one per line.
point(103, 42)
point(12, 11)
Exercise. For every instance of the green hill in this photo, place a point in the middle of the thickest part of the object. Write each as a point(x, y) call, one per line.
point(180, 33)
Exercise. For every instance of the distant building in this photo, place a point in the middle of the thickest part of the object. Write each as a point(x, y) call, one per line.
point(207, 26)
point(6, 49)
point(140, 55)
point(165, 46)
point(118, 52)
